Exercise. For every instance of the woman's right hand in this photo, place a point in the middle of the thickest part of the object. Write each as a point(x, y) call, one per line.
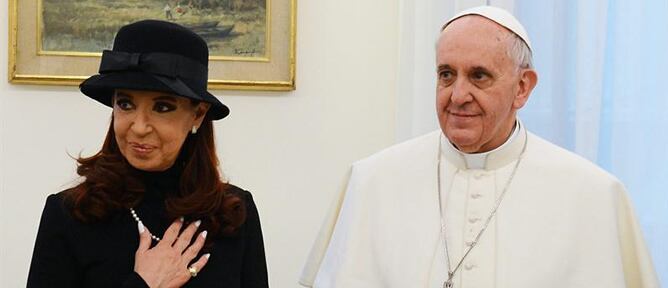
point(166, 264)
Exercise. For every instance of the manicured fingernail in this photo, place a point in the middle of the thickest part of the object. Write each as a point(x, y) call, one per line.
point(140, 226)
point(203, 234)
point(207, 255)
point(181, 219)
point(198, 222)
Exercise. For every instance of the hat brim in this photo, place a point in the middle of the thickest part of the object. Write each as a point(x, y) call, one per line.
point(101, 88)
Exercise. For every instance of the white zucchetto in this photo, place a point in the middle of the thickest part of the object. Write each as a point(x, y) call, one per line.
point(498, 15)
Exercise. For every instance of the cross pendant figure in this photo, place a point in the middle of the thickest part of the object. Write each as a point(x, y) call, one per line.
point(448, 283)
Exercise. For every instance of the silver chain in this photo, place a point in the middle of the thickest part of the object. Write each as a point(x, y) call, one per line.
point(451, 272)
point(134, 215)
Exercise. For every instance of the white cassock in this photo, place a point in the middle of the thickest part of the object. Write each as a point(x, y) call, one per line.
point(563, 222)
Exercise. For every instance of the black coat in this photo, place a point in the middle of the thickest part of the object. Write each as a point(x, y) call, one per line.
point(71, 254)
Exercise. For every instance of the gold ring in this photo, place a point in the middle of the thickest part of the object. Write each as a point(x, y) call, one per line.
point(193, 271)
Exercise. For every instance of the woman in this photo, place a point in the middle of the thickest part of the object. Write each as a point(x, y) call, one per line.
point(151, 210)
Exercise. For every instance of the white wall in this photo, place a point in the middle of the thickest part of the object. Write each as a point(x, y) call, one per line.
point(291, 149)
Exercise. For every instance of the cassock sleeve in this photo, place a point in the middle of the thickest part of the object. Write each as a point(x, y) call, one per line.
point(54, 264)
point(323, 238)
point(254, 273)
point(638, 268)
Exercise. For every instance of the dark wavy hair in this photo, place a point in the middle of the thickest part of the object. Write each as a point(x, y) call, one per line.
point(111, 183)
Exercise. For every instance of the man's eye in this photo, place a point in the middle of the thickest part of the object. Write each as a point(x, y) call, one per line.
point(479, 75)
point(163, 107)
point(124, 104)
point(446, 76)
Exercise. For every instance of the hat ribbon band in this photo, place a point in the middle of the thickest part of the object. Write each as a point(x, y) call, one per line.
point(164, 64)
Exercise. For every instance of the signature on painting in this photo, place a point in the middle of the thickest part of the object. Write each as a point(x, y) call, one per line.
point(245, 52)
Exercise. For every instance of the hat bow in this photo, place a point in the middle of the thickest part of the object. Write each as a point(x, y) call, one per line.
point(157, 63)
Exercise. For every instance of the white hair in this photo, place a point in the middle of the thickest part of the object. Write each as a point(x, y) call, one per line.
point(519, 52)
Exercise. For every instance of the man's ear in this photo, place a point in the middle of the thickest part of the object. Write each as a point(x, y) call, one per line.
point(200, 112)
point(528, 80)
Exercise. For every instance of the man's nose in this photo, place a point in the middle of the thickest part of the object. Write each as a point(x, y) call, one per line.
point(461, 92)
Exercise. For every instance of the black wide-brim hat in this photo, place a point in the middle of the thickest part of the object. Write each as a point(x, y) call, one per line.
point(156, 56)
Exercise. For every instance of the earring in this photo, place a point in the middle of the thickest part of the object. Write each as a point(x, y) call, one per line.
point(193, 130)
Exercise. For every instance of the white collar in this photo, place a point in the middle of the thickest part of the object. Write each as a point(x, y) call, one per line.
point(499, 157)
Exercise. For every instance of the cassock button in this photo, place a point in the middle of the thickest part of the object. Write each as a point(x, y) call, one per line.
point(478, 175)
point(476, 195)
point(473, 220)
point(469, 266)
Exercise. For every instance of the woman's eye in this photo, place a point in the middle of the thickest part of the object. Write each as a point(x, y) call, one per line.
point(162, 107)
point(124, 104)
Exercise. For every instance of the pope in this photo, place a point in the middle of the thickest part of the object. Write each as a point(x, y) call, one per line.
point(482, 202)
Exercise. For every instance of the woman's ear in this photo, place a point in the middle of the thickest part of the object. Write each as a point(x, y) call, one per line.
point(528, 80)
point(200, 112)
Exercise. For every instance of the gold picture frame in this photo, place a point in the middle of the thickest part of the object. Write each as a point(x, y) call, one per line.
point(273, 70)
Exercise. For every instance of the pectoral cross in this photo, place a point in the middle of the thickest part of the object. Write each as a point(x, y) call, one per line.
point(448, 283)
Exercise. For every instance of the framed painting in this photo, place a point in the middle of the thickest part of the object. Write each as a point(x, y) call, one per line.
point(59, 42)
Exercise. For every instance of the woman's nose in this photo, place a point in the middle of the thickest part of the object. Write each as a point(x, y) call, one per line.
point(141, 124)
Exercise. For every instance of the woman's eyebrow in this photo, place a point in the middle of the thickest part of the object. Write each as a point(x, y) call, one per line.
point(123, 94)
point(166, 98)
